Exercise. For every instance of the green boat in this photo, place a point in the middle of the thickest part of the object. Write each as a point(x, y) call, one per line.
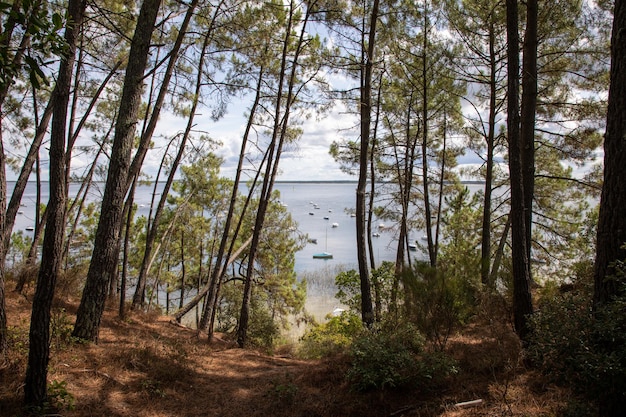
point(323, 255)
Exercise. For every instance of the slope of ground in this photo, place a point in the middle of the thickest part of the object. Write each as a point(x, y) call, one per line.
point(147, 366)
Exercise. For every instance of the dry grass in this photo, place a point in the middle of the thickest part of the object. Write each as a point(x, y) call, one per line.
point(151, 367)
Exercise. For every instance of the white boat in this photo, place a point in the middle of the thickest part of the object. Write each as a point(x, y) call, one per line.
point(412, 246)
point(30, 228)
point(337, 312)
point(335, 224)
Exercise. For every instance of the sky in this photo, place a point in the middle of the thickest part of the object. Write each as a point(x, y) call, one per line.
point(307, 160)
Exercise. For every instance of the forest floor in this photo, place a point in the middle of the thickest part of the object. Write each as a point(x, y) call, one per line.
point(147, 366)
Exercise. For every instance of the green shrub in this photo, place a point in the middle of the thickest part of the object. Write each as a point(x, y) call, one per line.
point(349, 290)
point(59, 397)
point(395, 357)
point(580, 348)
point(61, 326)
point(263, 331)
point(435, 303)
point(330, 338)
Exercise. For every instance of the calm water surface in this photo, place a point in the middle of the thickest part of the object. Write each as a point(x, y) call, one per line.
point(314, 206)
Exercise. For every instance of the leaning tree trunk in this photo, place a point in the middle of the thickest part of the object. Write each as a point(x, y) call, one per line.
point(22, 180)
point(138, 297)
point(219, 270)
point(273, 158)
point(105, 253)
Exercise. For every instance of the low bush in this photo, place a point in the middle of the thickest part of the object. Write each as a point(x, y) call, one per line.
point(581, 348)
point(435, 303)
point(394, 358)
point(330, 338)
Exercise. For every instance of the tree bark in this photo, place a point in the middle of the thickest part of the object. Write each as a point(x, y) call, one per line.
point(612, 219)
point(105, 253)
point(527, 118)
point(35, 386)
point(3, 199)
point(22, 180)
point(432, 252)
point(279, 136)
point(522, 302)
point(485, 246)
point(367, 312)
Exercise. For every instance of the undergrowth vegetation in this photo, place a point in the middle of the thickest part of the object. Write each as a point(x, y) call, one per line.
point(578, 347)
point(438, 336)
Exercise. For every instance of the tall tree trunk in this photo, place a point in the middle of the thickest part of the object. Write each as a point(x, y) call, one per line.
point(372, 196)
point(5, 42)
point(105, 253)
point(522, 302)
point(527, 118)
point(485, 244)
point(35, 386)
point(612, 221)
point(3, 199)
point(432, 253)
point(128, 209)
point(183, 270)
point(367, 313)
point(442, 178)
point(146, 136)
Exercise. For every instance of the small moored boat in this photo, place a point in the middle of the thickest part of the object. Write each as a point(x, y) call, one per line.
point(323, 255)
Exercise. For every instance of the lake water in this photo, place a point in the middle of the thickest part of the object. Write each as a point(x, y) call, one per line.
point(314, 206)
